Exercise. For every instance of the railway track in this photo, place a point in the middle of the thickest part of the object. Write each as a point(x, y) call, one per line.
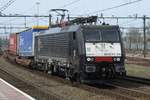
point(102, 90)
point(55, 85)
point(131, 88)
point(138, 88)
point(123, 89)
point(138, 79)
point(107, 91)
point(134, 93)
point(28, 88)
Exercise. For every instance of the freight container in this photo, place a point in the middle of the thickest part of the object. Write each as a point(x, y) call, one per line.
point(13, 43)
point(26, 38)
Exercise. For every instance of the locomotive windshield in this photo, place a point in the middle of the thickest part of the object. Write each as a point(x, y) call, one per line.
point(92, 35)
point(101, 35)
point(110, 35)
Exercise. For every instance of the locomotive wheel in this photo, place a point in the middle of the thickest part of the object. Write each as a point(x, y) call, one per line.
point(124, 74)
point(110, 74)
point(46, 68)
point(51, 70)
point(67, 74)
point(34, 65)
point(79, 78)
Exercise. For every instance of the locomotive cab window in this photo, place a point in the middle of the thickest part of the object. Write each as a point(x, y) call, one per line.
point(92, 35)
point(110, 35)
point(105, 35)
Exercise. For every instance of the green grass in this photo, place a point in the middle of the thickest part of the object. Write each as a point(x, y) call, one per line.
point(138, 70)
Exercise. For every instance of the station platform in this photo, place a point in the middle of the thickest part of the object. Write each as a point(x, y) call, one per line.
point(9, 92)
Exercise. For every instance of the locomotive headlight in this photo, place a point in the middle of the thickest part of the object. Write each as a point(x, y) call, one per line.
point(89, 59)
point(117, 59)
point(114, 59)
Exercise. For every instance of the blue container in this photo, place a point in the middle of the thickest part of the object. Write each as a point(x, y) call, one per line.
point(26, 44)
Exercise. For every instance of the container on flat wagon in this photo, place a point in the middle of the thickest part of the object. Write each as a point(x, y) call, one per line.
point(13, 43)
point(26, 38)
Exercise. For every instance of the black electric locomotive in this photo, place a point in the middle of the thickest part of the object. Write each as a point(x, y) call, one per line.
point(86, 53)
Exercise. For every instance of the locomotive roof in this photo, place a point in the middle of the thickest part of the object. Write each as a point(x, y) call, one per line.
point(74, 28)
point(56, 30)
point(101, 26)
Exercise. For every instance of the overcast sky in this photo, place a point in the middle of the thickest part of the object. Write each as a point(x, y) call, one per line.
point(78, 8)
point(82, 7)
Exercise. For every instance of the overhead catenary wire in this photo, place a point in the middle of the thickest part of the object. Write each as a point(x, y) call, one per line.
point(69, 4)
point(128, 22)
point(14, 19)
point(66, 5)
point(6, 5)
point(114, 7)
point(73, 2)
